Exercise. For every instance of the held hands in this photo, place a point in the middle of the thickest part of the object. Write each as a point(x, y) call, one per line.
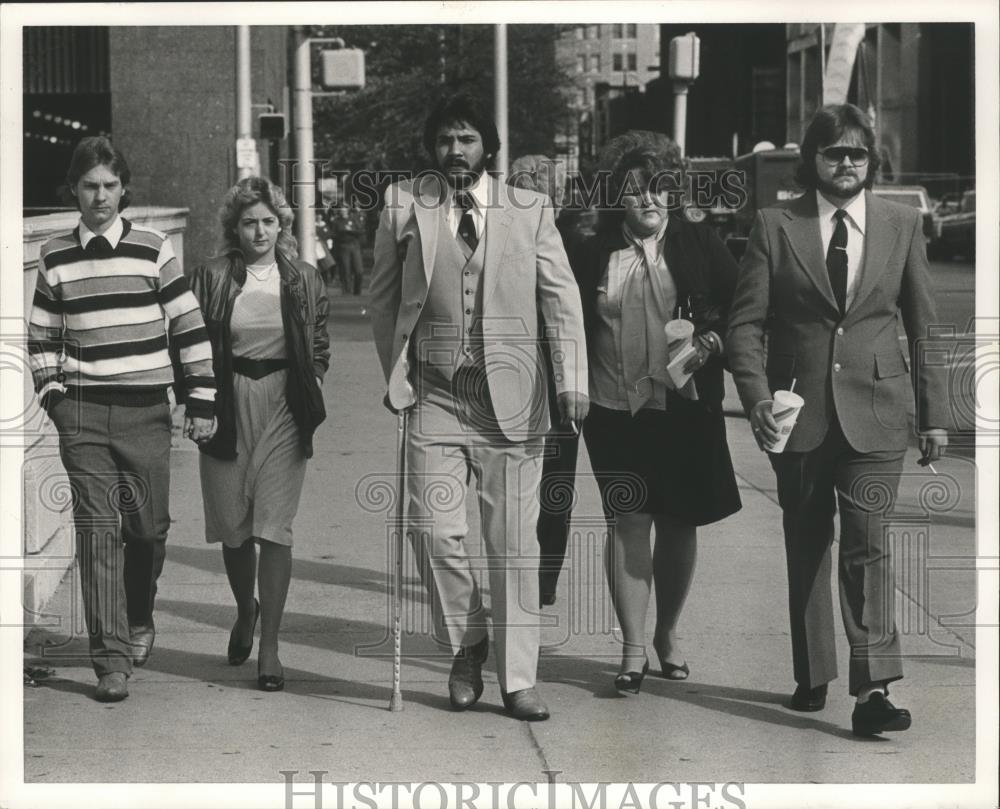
point(932, 444)
point(573, 408)
point(199, 430)
point(765, 429)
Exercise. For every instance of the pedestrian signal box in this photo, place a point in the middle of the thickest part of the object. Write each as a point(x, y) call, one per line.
point(343, 69)
point(684, 57)
point(272, 125)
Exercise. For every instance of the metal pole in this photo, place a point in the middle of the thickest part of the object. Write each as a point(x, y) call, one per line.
point(500, 93)
point(244, 121)
point(680, 113)
point(303, 184)
point(822, 61)
point(396, 698)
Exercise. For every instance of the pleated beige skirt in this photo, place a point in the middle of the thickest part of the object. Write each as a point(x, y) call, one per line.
point(257, 494)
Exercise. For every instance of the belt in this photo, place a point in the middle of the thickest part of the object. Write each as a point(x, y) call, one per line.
point(257, 369)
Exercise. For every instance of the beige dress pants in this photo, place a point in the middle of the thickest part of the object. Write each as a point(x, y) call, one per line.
point(453, 436)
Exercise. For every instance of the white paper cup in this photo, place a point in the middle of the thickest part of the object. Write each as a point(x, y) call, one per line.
point(785, 409)
point(679, 348)
point(679, 334)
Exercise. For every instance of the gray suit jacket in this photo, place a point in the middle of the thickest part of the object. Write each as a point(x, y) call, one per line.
point(525, 275)
point(851, 367)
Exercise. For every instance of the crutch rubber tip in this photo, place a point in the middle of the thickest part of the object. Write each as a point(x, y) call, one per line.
point(396, 703)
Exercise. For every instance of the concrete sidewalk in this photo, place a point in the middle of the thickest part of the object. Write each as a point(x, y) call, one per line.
point(193, 718)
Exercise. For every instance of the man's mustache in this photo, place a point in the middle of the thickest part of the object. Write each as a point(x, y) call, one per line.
point(456, 161)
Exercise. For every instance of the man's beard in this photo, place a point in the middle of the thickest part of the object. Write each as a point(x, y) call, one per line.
point(460, 174)
point(833, 190)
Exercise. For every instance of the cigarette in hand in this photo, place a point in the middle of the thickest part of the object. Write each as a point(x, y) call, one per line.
point(573, 427)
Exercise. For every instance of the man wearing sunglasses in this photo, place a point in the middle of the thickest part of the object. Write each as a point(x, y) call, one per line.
point(826, 278)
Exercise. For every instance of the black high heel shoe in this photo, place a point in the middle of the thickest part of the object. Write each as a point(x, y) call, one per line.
point(238, 654)
point(670, 671)
point(630, 682)
point(270, 682)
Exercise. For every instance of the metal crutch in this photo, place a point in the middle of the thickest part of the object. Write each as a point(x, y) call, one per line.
point(396, 700)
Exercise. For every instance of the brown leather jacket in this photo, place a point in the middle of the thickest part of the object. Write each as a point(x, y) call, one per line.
point(303, 312)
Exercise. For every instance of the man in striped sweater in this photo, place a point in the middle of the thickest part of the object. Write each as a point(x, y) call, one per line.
point(110, 300)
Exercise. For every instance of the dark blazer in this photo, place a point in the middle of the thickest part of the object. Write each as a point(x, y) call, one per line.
point(303, 313)
point(703, 270)
point(848, 367)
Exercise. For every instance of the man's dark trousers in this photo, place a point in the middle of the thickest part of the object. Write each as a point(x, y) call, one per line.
point(117, 459)
point(812, 486)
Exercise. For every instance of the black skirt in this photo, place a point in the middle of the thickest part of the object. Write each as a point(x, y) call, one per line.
point(674, 461)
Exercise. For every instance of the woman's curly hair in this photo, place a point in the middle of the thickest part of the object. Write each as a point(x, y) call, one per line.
point(652, 155)
point(249, 191)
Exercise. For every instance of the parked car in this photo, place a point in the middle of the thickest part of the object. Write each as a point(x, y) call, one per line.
point(914, 195)
point(955, 225)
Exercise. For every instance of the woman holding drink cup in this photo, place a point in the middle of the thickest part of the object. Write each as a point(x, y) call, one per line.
point(656, 289)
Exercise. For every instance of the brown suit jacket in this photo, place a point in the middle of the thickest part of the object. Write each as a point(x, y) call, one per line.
point(851, 367)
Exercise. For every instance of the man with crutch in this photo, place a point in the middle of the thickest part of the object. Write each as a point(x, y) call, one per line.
point(468, 273)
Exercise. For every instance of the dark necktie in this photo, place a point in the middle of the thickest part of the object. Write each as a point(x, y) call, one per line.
point(99, 247)
point(836, 260)
point(466, 227)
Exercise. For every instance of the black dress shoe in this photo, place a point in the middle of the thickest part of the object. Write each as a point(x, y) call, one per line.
point(142, 638)
point(525, 705)
point(112, 687)
point(465, 684)
point(809, 699)
point(236, 653)
point(878, 715)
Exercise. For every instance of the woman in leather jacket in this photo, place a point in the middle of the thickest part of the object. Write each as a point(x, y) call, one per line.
point(265, 312)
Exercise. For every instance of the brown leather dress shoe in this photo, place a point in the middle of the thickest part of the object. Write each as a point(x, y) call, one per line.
point(525, 705)
point(142, 642)
point(112, 687)
point(809, 699)
point(465, 685)
point(878, 715)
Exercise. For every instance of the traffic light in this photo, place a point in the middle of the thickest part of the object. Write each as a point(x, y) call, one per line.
point(344, 69)
point(272, 125)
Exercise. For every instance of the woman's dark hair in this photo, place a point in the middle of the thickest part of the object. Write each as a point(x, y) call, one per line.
point(462, 109)
point(657, 162)
point(249, 191)
point(827, 127)
point(99, 151)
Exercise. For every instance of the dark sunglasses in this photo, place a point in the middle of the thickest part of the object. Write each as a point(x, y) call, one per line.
point(834, 155)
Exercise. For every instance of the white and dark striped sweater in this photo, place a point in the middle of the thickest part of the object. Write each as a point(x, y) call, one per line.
point(104, 322)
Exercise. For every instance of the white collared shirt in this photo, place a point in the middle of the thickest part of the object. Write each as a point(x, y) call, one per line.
point(113, 234)
point(479, 194)
point(855, 221)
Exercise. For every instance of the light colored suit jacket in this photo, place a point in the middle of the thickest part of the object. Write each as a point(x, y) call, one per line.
point(527, 285)
point(851, 367)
